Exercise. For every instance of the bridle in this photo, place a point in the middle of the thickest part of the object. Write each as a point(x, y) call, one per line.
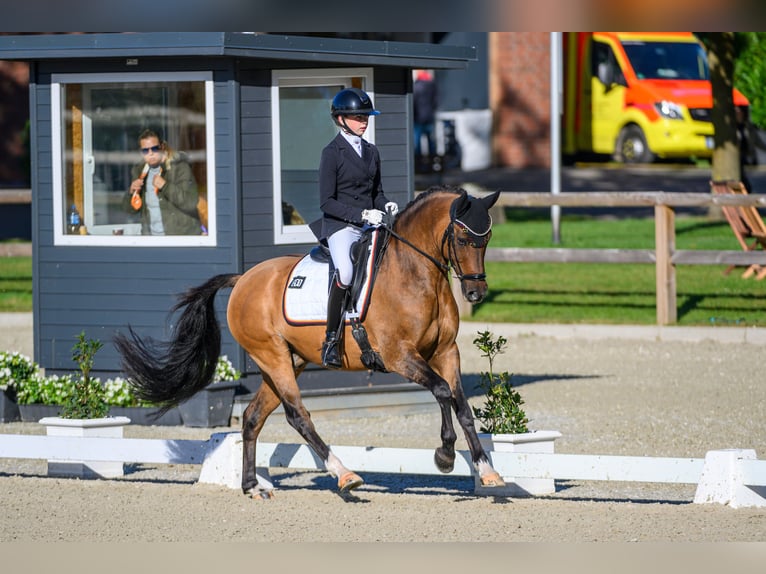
point(472, 238)
point(475, 240)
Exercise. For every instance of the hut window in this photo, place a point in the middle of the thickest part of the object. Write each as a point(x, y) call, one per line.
point(97, 122)
point(301, 127)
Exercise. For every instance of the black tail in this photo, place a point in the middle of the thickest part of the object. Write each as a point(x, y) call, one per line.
point(168, 373)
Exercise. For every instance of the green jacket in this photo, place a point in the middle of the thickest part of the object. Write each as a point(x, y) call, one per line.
point(178, 199)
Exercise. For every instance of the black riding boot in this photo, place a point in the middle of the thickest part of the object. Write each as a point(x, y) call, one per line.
point(331, 346)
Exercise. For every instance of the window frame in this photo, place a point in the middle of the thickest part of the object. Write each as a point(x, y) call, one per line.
point(293, 234)
point(58, 81)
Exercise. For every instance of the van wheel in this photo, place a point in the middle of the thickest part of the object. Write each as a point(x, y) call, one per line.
point(632, 146)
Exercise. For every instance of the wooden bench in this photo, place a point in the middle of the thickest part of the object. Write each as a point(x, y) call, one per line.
point(746, 223)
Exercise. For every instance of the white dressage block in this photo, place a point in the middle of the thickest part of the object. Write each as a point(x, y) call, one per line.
point(732, 477)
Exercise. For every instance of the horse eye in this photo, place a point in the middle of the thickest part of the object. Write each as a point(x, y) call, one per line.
point(462, 242)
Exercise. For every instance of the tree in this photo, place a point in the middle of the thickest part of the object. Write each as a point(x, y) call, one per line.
point(750, 73)
point(720, 48)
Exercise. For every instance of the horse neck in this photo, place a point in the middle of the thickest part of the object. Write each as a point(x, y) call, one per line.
point(423, 225)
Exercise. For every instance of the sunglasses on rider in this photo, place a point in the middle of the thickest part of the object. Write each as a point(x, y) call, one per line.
point(153, 149)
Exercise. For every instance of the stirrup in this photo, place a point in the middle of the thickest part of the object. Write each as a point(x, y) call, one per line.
point(331, 352)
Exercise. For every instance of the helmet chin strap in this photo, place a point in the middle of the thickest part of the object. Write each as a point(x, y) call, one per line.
point(344, 126)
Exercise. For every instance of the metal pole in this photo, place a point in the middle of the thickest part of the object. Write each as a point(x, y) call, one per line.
point(556, 104)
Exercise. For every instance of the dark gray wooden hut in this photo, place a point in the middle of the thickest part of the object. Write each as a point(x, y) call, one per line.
point(242, 107)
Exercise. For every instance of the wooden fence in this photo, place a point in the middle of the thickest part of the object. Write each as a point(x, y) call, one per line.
point(664, 256)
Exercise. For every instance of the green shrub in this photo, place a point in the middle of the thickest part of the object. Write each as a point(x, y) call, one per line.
point(86, 399)
point(502, 412)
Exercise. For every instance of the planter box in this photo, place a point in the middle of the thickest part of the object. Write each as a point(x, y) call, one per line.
point(210, 407)
point(147, 416)
point(535, 441)
point(9, 410)
point(34, 412)
point(107, 427)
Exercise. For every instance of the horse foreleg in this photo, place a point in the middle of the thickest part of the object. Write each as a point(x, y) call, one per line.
point(417, 370)
point(300, 419)
point(452, 397)
point(444, 456)
point(487, 475)
point(253, 419)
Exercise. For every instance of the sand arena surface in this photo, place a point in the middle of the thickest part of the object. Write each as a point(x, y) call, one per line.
point(609, 396)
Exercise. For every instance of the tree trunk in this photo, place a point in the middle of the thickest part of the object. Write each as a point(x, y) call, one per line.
point(726, 164)
point(726, 168)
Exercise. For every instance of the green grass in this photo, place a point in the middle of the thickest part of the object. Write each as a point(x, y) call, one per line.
point(614, 293)
point(15, 284)
point(571, 292)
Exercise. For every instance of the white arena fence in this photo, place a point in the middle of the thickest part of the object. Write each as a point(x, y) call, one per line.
point(733, 477)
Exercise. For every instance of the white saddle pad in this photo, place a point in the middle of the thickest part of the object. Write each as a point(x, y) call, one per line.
point(305, 298)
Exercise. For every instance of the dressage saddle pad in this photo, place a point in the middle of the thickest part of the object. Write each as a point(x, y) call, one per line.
point(304, 301)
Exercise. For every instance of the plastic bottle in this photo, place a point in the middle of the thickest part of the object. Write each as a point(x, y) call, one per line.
point(73, 220)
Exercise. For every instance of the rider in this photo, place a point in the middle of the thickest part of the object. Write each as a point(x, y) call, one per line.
point(350, 195)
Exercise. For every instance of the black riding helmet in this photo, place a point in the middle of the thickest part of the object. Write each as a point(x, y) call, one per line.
point(352, 101)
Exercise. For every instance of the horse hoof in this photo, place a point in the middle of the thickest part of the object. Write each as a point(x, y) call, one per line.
point(444, 462)
point(493, 480)
point(258, 494)
point(349, 481)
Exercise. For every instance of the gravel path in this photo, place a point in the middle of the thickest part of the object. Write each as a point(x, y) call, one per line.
point(606, 396)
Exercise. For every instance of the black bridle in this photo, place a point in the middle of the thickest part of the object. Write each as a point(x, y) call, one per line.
point(468, 237)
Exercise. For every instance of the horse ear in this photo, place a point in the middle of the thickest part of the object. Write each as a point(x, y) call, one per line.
point(490, 200)
point(462, 204)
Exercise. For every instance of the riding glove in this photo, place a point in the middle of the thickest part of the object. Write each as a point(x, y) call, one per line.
point(372, 216)
point(392, 208)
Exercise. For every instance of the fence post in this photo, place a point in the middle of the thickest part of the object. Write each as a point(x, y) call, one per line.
point(665, 245)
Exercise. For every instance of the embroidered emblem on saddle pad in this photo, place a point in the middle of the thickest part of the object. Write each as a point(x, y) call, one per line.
point(304, 301)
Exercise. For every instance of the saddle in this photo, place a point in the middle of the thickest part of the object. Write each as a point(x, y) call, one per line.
point(366, 256)
point(361, 251)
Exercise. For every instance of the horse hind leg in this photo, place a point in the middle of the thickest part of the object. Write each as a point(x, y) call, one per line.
point(285, 386)
point(263, 404)
point(300, 419)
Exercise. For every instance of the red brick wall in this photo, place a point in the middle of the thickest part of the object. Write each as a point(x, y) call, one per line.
point(520, 98)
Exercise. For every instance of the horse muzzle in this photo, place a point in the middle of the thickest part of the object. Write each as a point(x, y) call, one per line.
point(474, 287)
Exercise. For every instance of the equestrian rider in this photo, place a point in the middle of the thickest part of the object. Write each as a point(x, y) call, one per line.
point(350, 196)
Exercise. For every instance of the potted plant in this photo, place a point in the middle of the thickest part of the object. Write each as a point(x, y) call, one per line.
point(212, 406)
point(84, 413)
point(504, 424)
point(40, 396)
point(124, 402)
point(15, 370)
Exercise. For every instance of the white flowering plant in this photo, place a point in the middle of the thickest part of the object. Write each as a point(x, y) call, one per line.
point(225, 371)
point(33, 388)
point(15, 369)
point(52, 390)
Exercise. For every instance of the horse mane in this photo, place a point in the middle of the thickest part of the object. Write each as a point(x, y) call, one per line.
point(428, 194)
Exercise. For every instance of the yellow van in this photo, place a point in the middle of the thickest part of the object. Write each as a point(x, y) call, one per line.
point(639, 96)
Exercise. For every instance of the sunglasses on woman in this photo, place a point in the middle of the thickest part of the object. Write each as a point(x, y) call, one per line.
point(153, 149)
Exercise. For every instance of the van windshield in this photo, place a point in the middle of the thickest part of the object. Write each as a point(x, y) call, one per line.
point(667, 60)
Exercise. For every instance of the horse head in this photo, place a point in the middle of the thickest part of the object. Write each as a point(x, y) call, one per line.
point(466, 241)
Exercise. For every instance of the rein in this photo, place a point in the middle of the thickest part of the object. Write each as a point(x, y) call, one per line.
point(444, 268)
point(452, 259)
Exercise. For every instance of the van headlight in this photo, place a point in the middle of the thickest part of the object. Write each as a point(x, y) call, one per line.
point(669, 110)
